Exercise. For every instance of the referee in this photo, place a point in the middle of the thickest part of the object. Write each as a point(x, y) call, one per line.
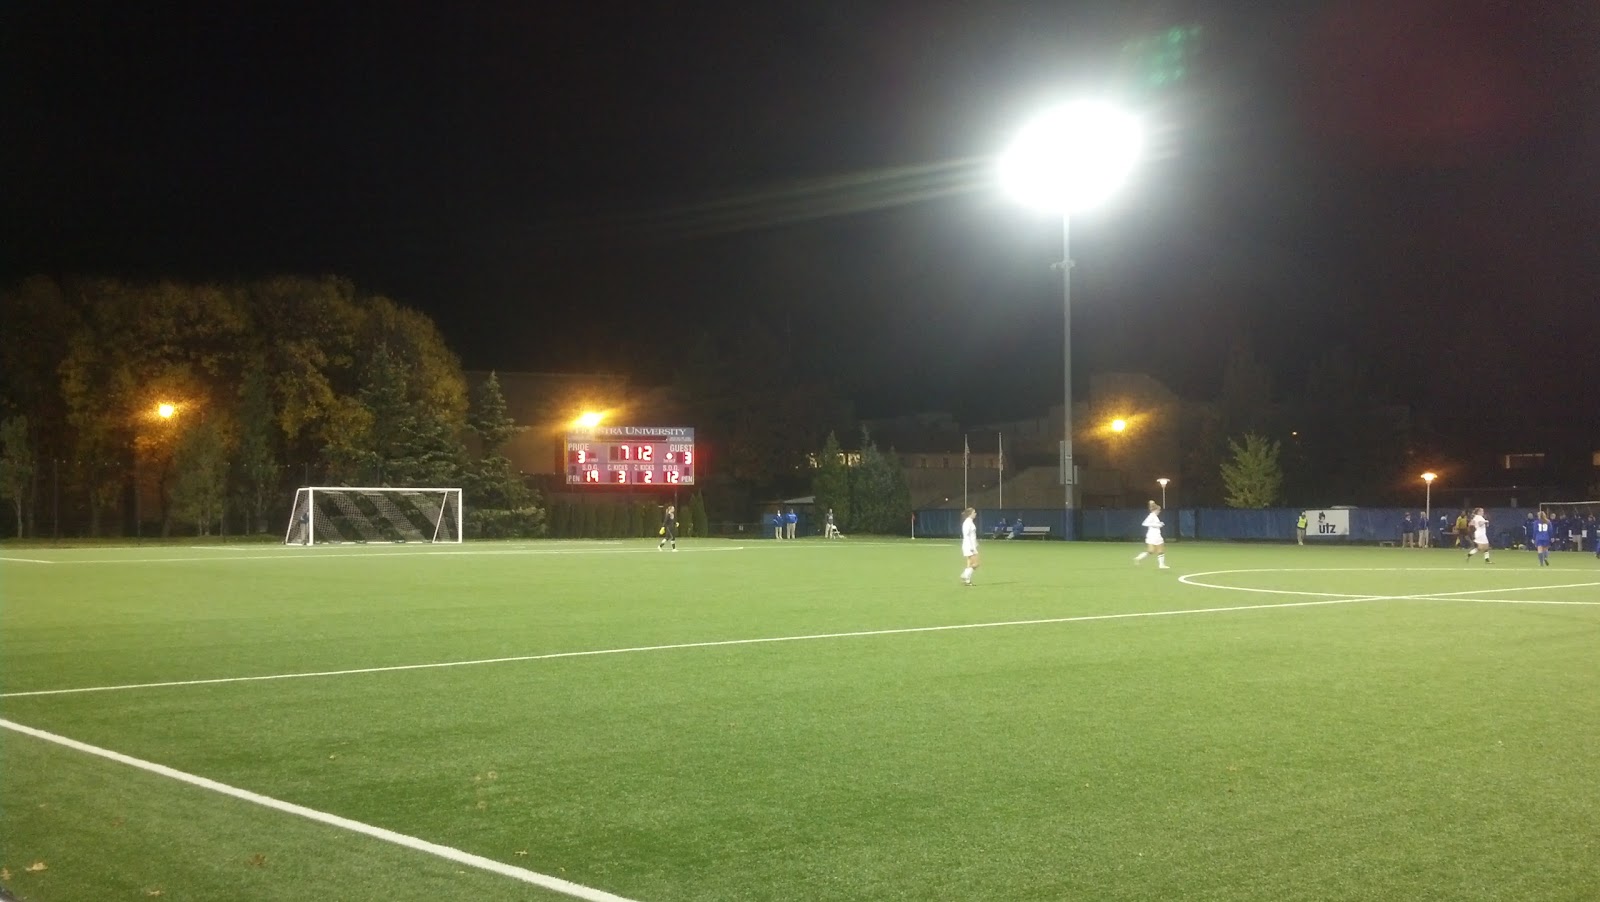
point(669, 528)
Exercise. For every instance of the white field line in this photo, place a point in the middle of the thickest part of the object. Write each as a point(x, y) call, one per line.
point(1190, 579)
point(546, 881)
point(313, 554)
point(683, 645)
point(25, 560)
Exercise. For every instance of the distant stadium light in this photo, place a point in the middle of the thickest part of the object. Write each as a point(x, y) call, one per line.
point(1118, 425)
point(166, 410)
point(589, 420)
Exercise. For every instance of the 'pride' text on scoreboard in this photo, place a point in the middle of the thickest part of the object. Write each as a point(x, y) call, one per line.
point(632, 456)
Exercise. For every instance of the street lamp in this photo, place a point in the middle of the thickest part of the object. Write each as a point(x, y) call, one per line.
point(1427, 515)
point(1163, 481)
point(1067, 160)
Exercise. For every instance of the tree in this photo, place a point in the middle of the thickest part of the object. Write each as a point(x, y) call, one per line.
point(389, 437)
point(1253, 478)
point(494, 482)
point(201, 487)
point(831, 482)
point(17, 465)
point(256, 461)
point(878, 491)
point(697, 510)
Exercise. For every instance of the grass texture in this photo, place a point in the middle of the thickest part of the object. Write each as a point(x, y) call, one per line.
point(1257, 723)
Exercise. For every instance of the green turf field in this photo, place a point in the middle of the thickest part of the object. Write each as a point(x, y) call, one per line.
point(1257, 723)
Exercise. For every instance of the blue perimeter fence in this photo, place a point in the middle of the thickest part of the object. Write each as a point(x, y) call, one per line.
point(1367, 525)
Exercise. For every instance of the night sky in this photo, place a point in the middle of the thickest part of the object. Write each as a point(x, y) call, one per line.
point(571, 186)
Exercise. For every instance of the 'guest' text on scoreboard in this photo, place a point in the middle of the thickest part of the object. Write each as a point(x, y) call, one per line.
point(631, 455)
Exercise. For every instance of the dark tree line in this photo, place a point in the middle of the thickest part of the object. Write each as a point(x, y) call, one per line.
point(266, 385)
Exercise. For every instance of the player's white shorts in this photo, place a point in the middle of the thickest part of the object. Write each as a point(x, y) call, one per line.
point(1480, 538)
point(1153, 537)
point(969, 549)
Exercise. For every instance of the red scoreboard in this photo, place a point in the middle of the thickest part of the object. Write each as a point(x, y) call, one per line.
point(635, 456)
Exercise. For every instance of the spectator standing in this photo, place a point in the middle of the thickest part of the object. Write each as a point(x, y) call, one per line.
point(1408, 532)
point(1422, 530)
point(791, 522)
point(1300, 529)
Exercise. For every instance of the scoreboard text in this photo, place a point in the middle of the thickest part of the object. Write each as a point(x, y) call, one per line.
point(636, 456)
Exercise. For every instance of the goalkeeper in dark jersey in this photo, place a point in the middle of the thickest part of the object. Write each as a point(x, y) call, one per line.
point(669, 528)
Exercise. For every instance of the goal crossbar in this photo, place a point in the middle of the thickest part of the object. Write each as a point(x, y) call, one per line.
point(366, 514)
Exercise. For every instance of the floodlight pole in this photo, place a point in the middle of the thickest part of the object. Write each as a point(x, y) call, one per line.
point(1069, 483)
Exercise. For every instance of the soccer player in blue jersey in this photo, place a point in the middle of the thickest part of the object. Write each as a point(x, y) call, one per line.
point(1541, 538)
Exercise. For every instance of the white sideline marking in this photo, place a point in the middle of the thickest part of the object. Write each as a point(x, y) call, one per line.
point(314, 554)
point(556, 884)
point(682, 645)
point(1190, 580)
point(25, 560)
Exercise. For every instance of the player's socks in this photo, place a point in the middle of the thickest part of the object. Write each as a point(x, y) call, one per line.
point(1141, 556)
point(1161, 561)
point(1486, 557)
point(966, 576)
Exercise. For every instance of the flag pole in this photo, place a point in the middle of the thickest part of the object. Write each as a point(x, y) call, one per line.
point(966, 457)
point(1000, 466)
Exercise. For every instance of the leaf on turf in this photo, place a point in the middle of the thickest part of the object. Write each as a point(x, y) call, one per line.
point(494, 775)
point(37, 866)
point(482, 805)
point(522, 852)
point(152, 892)
point(5, 873)
point(118, 821)
point(258, 860)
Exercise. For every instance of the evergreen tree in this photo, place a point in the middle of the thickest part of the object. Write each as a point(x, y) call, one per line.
point(1253, 477)
point(831, 483)
point(494, 482)
point(880, 500)
point(702, 523)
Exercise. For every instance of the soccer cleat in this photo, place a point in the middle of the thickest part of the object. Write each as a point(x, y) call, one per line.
point(1163, 567)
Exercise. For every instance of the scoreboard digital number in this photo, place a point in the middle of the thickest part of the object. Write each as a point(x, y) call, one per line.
point(637, 456)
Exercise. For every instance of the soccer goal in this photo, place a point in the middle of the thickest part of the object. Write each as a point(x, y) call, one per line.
point(344, 514)
point(1575, 525)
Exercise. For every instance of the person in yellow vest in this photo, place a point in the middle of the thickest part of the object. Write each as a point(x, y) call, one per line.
point(1300, 529)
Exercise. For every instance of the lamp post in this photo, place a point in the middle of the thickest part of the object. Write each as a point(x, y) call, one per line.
point(1163, 482)
point(1068, 159)
point(1427, 510)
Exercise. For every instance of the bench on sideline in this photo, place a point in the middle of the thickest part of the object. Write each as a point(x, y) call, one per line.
point(1040, 532)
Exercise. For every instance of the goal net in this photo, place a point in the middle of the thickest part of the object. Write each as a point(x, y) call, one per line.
point(1574, 525)
point(343, 514)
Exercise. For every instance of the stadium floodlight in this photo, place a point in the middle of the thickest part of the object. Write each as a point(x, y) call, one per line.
point(1427, 515)
point(589, 419)
point(1163, 483)
point(166, 409)
point(1070, 158)
point(1119, 424)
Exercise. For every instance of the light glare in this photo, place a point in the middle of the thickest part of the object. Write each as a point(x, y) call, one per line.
point(165, 410)
point(1072, 157)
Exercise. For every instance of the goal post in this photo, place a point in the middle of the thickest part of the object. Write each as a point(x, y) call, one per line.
point(1574, 525)
point(336, 514)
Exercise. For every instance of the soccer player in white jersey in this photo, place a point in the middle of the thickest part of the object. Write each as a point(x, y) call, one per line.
point(969, 543)
point(1480, 535)
point(1153, 543)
